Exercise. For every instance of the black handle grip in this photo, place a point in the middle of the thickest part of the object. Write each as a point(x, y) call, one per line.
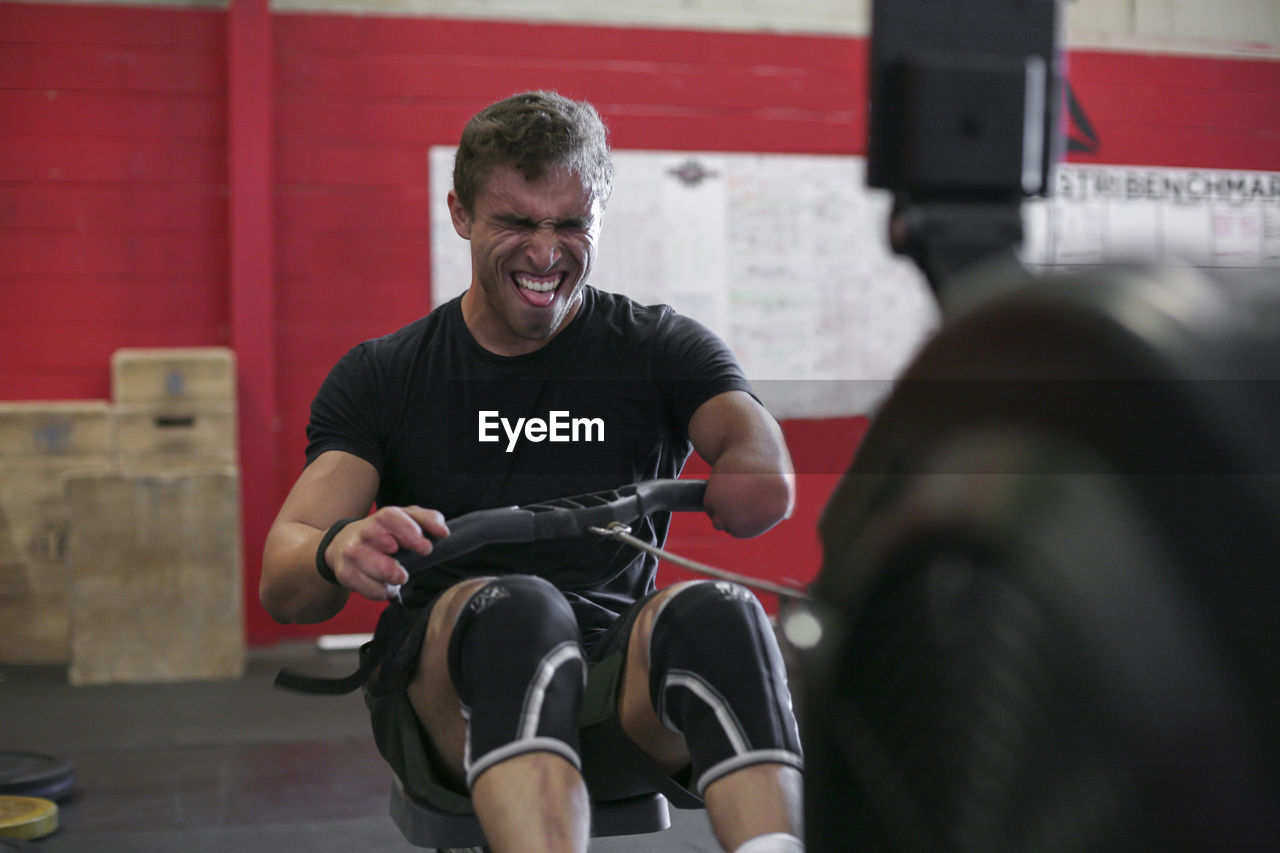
point(468, 532)
point(671, 495)
point(565, 518)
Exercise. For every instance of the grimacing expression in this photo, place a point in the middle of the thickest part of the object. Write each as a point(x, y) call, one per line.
point(533, 244)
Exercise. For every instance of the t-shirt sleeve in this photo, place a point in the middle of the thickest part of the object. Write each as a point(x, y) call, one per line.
point(692, 365)
point(344, 413)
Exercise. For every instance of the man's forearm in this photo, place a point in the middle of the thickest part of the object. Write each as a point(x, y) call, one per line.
point(750, 490)
point(291, 589)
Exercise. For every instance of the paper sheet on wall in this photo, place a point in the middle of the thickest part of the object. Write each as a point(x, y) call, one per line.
point(786, 256)
point(1210, 218)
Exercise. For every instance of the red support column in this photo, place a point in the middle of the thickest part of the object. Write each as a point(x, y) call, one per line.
point(252, 267)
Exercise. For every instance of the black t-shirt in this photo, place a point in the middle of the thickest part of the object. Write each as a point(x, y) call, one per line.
point(605, 403)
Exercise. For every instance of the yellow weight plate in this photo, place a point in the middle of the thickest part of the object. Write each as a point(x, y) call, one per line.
point(27, 817)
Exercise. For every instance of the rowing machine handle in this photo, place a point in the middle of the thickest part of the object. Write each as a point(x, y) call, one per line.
point(564, 518)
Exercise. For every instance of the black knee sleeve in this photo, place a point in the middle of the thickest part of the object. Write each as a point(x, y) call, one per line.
point(716, 676)
point(519, 669)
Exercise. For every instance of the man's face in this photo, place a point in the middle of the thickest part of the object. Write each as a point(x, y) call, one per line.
point(532, 248)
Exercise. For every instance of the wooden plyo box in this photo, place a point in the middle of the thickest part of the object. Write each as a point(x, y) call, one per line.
point(172, 435)
point(174, 407)
point(202, 375)
point(155, 576)
point(34, 581)
point(54, 430)
point(40, 444)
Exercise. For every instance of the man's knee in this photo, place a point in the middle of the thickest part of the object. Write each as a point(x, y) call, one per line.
point(515, 659)
point(445, 611)
point(717, 677)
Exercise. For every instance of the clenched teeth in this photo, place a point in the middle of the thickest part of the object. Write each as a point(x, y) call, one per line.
point(540, 285)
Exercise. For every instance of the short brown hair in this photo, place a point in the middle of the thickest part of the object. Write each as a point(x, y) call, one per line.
point(533, 132)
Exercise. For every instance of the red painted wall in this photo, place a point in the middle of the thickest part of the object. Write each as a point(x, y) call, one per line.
point(113, 185)
point(113, 207)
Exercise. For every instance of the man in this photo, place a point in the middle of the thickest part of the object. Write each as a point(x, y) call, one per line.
point(480, 692)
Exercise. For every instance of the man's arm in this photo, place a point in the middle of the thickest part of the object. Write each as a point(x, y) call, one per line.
point(752, 484)
point(338, 485)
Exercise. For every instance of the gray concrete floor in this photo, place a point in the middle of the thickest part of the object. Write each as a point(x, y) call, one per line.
point(230, 766)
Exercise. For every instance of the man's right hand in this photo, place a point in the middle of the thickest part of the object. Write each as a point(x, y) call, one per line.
point(362, 555)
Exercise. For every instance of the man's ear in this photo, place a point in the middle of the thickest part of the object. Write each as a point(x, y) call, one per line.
point(461, 218)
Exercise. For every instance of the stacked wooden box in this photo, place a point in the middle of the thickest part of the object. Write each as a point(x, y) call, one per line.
point(149, 545)
point(40, 443)
point(174, 408)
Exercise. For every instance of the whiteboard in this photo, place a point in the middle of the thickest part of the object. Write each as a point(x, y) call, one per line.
point(786, 256)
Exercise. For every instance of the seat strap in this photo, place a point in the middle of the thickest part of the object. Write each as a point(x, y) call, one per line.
point(371, 655)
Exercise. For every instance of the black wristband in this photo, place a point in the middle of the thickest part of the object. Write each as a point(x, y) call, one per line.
point(322, 565)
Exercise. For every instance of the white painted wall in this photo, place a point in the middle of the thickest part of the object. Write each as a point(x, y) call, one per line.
point(1244, 27)
point(1238, 27)
point(1229, 27)
point(810, 16)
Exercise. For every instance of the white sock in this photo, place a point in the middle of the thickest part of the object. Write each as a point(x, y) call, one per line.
point(774, 842)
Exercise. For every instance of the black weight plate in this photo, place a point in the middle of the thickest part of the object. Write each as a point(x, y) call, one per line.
point(33, 774)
